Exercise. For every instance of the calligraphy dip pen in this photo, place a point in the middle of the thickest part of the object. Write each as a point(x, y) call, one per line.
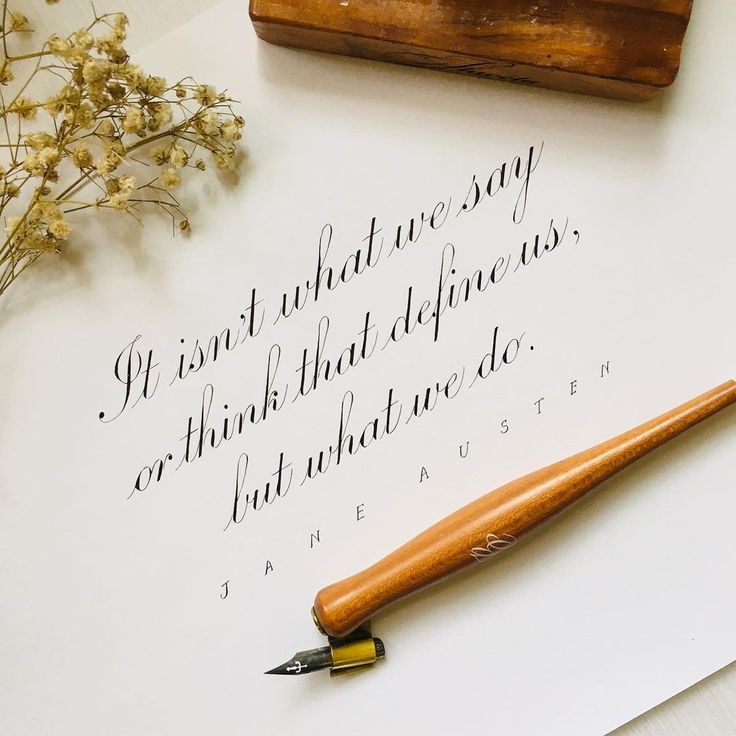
point(475, 532)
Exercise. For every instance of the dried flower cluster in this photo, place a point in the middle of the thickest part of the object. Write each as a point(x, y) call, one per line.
point(109, 137)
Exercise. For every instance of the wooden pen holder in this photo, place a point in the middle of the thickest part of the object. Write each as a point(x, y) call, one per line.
point(628, 49)
point(495, 521)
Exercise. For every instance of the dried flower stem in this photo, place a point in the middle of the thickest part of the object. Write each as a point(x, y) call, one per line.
point(79, 148)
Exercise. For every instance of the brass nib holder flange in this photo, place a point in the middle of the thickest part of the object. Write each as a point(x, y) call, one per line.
point(356, 652)
point(355, 655)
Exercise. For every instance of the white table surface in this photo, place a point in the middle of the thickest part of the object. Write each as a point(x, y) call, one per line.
point(707, 708)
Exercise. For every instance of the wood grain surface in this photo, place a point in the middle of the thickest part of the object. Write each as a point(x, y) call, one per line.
point(629, 49)
point(495, 521)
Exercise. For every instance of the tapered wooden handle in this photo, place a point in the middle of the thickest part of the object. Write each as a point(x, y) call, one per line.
point(495, 521)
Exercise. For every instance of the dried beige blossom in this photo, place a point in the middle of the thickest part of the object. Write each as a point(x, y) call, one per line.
point(96, 70)
point(59, 46)
point(6, 73)
point(83, 116)
point(82, 157)
point(206, 122)
point(8, 190)
point(162, 115)
point(225, 160)
point(37, 141)
point(126, 184)
point(60, 229)
point(205, 94)
point(107, 164)
point(160, 155)
point(170, 179)
point(178, 156)
point(106, 129)
point(11, 224)
point(154, 86)
point(230, 131)
point(83, 39)
point(119, 202)
point(109, 137)
point(133, 120)
point(18, 22)
point(24, 107)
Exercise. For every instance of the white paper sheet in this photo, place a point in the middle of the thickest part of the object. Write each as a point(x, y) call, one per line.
point(112, 605)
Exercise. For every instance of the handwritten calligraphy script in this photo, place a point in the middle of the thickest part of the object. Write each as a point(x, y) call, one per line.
point(294, 373)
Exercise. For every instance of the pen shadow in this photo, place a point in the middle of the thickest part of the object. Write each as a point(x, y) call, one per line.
point(438, 604)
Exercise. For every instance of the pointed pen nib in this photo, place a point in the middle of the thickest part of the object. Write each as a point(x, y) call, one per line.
point(301, 663)
point(282, 669)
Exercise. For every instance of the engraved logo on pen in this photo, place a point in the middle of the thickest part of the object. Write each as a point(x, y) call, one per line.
point(494, 544)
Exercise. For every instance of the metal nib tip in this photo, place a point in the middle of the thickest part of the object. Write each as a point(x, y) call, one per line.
point(303, 662)
point(280, 670)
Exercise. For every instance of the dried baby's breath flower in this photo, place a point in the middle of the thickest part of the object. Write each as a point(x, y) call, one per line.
point(6, 73)
point(37, 141)
point(18, 21)
point(224, 160)
point(170, 179)
point(109, 136)
point(105, 129)
point(83, 116)
point(160, 155)
point(82, 157)
point(107, 164)
point(49, 155)
point(70, 94)
point(33, 165)
point(60, 229)
point(46, 210)
point(9, 190)
point(59, 46)
point(24, 107)
point(161, 114)
point(133, 75)
point(206, 122)
point(133, 120)
point(12, 224)
point(178, 157)
point(53, 106)
point(154, 86)
point(83, 39)
point(205, 94)
point(96, 70)
point(126, 184)
point(119, 202)
point(230, 131)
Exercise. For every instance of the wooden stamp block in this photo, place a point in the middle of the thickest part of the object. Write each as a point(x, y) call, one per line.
point(629, 49)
